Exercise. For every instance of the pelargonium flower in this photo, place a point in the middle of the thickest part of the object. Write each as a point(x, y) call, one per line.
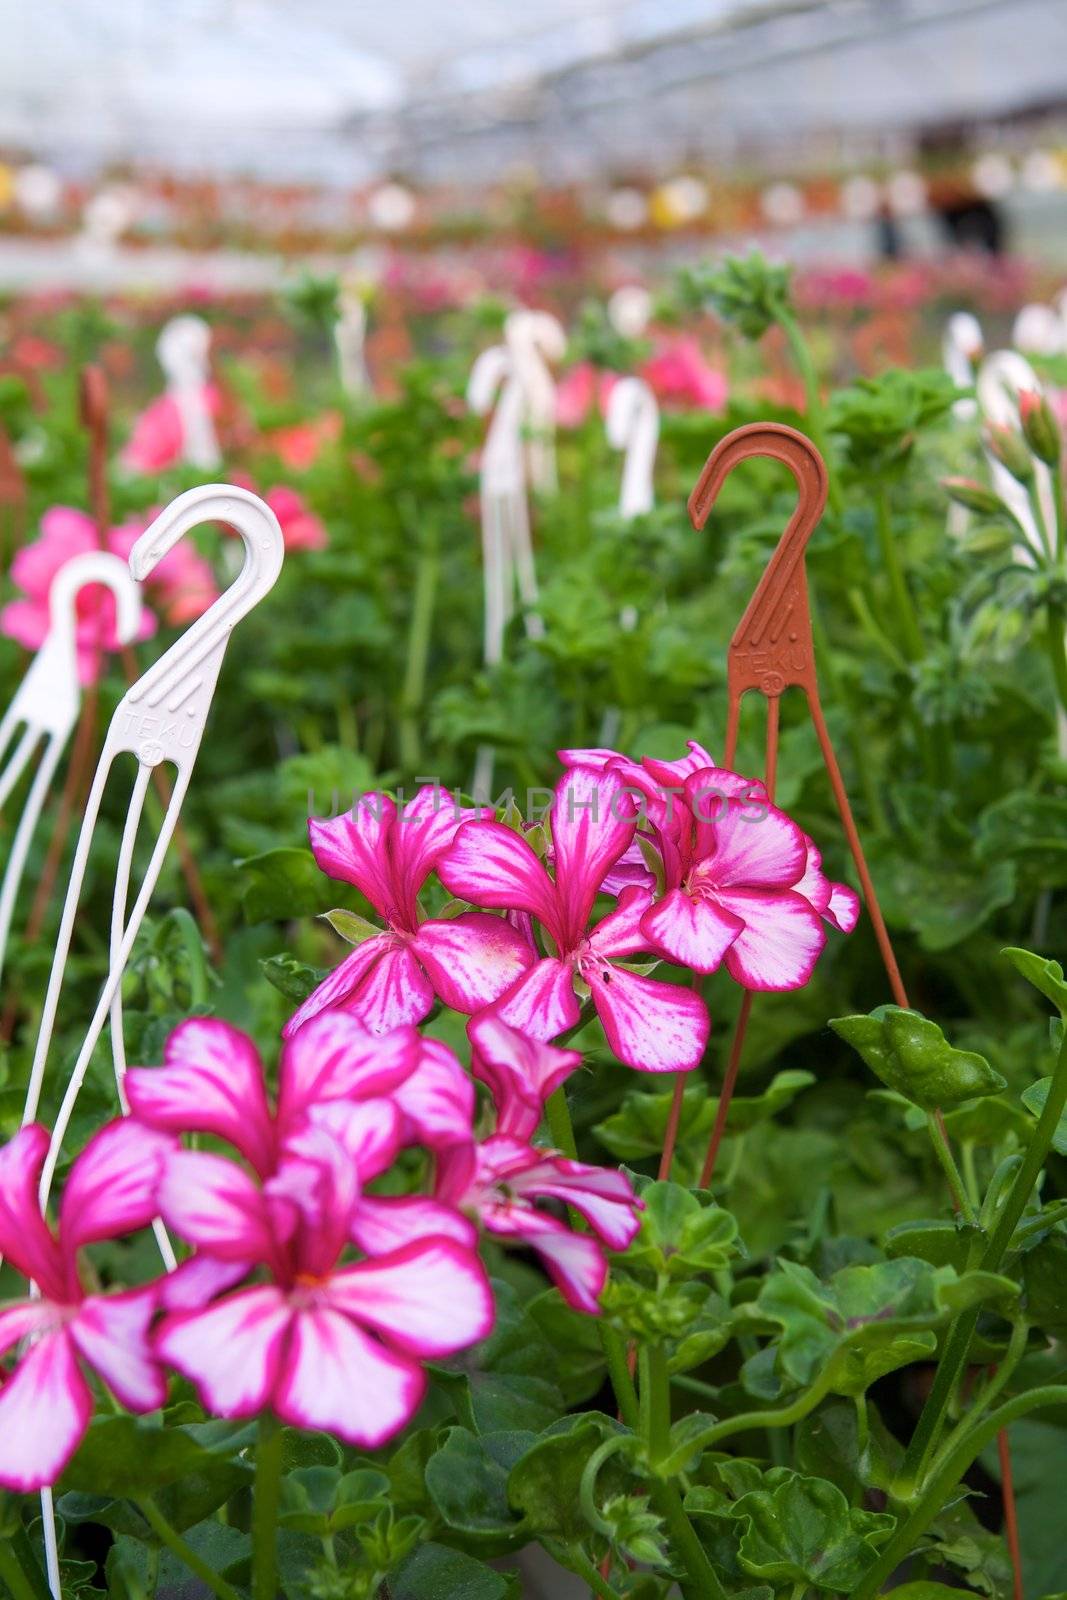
point(181, 586)
point(158, 436)
point(501, 1180)
point(467, 961)
point(321, 1343)
point(743, 883)
point(678, 371)
point(46, 1403)
point(650, 1025)
point(373, 1094)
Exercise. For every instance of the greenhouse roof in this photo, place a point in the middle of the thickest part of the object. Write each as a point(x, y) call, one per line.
point(336, 90)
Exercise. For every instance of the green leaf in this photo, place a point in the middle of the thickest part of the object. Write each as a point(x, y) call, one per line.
point(280, 884)
point(436, 1573)
point(1045, 1281)
point(1034, 1100)
point(681, 1233)
point(867, 1321)
point(941, 1243)
point(638, 1128)
point(1045, 975)
point(910, 1054)
point(544, 1482)
point(292, 978)
point(127, 1456)
point(350, 927)
point(804, 1531)
point(942, 902)
point(467, 1479)
point(923, 1590)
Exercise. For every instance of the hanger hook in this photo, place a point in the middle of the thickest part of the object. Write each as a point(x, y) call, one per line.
point(254, 521)
point(489, 371)
point(95, 566)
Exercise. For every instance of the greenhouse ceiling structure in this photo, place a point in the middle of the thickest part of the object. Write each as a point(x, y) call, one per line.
point(339, 91)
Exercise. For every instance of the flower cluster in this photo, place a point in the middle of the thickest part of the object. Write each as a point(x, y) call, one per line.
point(703, 868)
point(304, 1291)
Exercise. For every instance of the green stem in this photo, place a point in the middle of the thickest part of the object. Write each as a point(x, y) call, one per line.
point(574, 1558)
point(185, 1553)
point(656, 1403)
point(419, 631)
point(1057, 497)
point(970, 1173)
point(746, 1421)
point(1037, 511)
point(945, 1479)
point(948, 1166)
point(1057, 654)
point(558, 1116)
point(193, 945)
point(702, 1584)
point(12, 1574)
point(268, 1484)
point(908, 623)
point(954, 1356)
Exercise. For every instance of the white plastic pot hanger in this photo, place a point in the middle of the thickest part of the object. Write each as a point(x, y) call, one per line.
point(48, 699)
point(961, 349)
point(183, 348)
point(161, 718)
point(507, 548)
point(533, 339)
point(632, 425)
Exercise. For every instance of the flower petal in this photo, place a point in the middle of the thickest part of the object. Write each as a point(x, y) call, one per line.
point(781, 940)
point(574, 1261)
point(671, 774)
point(199, 1279)
point(693, 931)
point(394, 992)
point(111, 1332)
point(621, 933)
point(234, 1352)
point(211, 1081)
point(334, 1057)
point(354, 848)
point(593, 823)
point(542, 1003)
point(472, 959)
point(428, 1299)
point(843, 910)
point(385, 1223)
point(755, 844)
point(605, 1198)
point(113, 1187)
point(653, 1026)
point(437, 1100)
point(23, 1319)
point(368, 1130)
point(521, 1071)
point(216, 1205)
point(422, 833)
point(338, 1378)
point(342, 983)
point(491, 865)
point(25, 1238)
point(45, 1408)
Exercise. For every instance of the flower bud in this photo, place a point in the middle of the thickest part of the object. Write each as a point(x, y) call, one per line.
point(1009, 448)
point(972, 494)
point(1040, 428)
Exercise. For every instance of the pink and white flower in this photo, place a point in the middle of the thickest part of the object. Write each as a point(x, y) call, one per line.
point(743, 882)
point(373, 1094)
point(322, 1344)
point(650, 1025)
point(46, 1402)
point(466, 961)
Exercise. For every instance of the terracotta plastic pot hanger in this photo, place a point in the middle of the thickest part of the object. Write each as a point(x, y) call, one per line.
point(772, 650)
